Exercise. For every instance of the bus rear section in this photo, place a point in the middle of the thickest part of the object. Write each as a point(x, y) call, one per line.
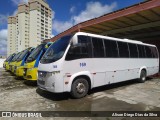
point(19, 67)
point(85, 61)
point(31, 64)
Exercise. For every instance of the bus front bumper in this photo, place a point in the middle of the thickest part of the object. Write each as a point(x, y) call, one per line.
point(7, 67)
point(19, 71)
point(13, 69)
point(10, 68)
point(50, 82)
point(30, 74)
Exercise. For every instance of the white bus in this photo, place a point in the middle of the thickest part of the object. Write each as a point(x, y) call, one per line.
point(77, 63)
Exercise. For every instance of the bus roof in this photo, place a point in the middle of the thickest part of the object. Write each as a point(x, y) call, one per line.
point(113, 38)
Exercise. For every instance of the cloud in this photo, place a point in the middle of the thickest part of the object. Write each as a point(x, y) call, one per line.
point(60, 26)
point(3, 34)
point(93, 10)
point(3, 41)
point(15, 12)
point(16, 2)
point(52, 35)
point(72, 9)
point(3, 19)
point(53, 14)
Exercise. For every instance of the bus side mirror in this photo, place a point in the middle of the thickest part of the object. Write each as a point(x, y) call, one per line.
point(72, 48)
point(76, 45)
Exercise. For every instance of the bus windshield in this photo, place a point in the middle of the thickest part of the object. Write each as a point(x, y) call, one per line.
point(16, 56)
point(22, 55)
point(8, 58)
point(35, 53)
point(56, 50)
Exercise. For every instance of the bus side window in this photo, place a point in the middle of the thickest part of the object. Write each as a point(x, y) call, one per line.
point(111, 48)
point(154, 52)
point(141, 50)
point(148, 52)
point(79, 51)
point(86, 47)
point(133, 50)
point(98, 48)
point(123, 49)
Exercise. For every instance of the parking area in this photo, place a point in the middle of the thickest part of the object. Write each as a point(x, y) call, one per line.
point(19, 95)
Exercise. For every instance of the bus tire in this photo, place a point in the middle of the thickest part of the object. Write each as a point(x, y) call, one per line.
point(79, 88)
point(143, 76)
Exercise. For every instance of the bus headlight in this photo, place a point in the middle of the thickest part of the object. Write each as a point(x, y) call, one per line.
point(55, 72)
point(42, 74)
point(30, 69)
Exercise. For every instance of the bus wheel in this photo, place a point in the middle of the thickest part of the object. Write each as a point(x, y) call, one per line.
point(143, 76)
point(79, 88)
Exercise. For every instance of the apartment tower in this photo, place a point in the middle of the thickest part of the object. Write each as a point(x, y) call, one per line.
point(11, 43)
point(31, 25)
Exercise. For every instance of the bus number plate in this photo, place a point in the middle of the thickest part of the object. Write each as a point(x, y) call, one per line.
point(82, 64)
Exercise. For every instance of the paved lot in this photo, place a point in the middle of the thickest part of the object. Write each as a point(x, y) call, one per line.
point(19, 95)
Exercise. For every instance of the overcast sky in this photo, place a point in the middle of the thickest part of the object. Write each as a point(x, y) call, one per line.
point(66, 13)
